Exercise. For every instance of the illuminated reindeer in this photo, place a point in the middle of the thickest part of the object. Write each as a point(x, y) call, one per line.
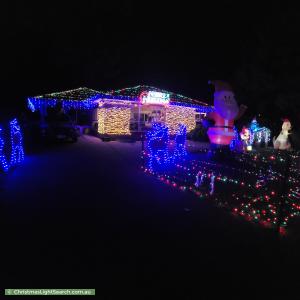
point(158, 139)
point(180, 139)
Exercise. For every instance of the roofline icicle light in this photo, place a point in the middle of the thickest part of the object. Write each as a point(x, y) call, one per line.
point(84, 98)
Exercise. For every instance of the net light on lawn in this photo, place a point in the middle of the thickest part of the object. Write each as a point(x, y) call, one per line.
point(253, 202)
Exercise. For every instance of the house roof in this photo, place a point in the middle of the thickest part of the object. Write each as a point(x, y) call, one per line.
point(85, 98)
point(79, 94)
point(135, 92)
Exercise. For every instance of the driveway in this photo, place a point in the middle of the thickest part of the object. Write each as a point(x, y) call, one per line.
point(85, 215)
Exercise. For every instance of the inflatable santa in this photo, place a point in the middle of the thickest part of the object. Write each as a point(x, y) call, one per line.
point(226, 111)
point(282, 141)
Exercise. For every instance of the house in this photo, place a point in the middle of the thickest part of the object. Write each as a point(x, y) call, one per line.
point(125, 111)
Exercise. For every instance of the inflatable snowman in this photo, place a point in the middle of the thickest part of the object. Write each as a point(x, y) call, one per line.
point(226, 111)
point(282, 141)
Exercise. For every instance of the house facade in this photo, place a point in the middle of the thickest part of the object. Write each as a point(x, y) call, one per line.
point(126, 111)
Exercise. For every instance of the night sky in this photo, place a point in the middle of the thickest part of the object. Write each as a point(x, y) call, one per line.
point(115, 44)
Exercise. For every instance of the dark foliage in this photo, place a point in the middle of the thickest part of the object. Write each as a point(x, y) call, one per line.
point(266, 79)
point(198, 134)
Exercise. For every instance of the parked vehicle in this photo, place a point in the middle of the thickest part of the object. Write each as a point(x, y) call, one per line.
point(60, 128)
point(63, 132)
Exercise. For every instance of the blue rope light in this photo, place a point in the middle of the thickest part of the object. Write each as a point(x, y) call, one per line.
point(31, 105)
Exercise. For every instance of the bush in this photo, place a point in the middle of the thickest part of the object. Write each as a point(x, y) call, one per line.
point(198, 134)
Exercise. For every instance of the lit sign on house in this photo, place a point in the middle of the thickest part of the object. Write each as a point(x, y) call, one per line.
point(152, 97)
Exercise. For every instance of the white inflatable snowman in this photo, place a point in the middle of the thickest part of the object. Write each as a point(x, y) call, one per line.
point(282, 141)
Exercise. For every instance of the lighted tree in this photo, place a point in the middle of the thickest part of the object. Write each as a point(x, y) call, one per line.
point(3, 161)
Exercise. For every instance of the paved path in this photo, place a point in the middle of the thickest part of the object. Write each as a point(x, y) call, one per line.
point(84, 215)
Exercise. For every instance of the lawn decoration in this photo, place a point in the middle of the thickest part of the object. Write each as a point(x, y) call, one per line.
point(282, 141)
point(226, 111)
point(245, 136)
point(259, 135)
point(180, 139)
point(3, 162)
point(158, 139)
point(199, 179)
point(17, 154)
point(236, 143)
point(212, 184)
point(12, 146)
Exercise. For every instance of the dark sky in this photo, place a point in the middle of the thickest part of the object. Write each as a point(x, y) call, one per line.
point(115, 44)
